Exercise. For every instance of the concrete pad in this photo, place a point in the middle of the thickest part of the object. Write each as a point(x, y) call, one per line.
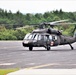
point(44, 72)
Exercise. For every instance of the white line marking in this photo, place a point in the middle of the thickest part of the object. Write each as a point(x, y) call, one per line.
point(31, 64)
point(50, 64)
point(7, 64)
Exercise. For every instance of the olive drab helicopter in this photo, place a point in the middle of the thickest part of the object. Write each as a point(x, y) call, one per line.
point(49, 37)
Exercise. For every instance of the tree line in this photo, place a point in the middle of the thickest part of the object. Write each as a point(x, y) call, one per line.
point(10, 21)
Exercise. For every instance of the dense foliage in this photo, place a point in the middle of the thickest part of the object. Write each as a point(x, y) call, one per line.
point(10, 21)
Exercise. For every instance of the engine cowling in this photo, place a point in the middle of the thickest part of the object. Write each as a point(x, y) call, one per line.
point(52, 31)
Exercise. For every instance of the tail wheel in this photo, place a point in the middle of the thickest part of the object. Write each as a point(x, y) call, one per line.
point(30, 48)
point(48, 48)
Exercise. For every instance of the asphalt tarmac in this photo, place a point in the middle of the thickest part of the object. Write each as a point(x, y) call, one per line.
point(14, 55)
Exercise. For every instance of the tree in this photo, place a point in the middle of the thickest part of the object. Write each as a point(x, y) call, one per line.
point(46, 15)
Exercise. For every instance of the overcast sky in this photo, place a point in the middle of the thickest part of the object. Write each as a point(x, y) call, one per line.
point(38, 6)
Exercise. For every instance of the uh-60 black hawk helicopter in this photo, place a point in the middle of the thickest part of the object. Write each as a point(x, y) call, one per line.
point(49, 37)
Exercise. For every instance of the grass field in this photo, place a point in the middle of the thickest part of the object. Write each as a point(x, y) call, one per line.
point(6, 71)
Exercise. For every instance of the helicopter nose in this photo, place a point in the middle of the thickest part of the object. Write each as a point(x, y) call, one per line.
point(25, 41)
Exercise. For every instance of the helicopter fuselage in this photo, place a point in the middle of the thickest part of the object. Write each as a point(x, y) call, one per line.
point(46, 40)
point(49, 37)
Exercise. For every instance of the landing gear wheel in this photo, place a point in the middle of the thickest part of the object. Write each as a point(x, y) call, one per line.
point(30, 48)
point(48, 48)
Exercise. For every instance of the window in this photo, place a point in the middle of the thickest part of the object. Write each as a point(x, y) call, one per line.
point(54, 38)
point(27, 35)
point(50, 37)
point(39, 37)
point(30, 36)
point(45, 38)
point(36, 37)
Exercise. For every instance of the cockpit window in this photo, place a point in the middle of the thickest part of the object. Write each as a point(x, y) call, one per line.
point(39, 37)
point(35, 37)
point(31, 36)
point(27, 35)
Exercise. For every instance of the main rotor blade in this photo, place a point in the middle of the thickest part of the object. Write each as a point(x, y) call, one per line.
point(65, 24)
point(56, 22)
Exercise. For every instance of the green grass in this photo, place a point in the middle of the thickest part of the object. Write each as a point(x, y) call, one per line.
point(6, 71)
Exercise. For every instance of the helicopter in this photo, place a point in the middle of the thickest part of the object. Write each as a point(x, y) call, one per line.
point(49, 37)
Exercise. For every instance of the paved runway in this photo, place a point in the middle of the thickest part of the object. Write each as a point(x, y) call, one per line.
point(14, 55)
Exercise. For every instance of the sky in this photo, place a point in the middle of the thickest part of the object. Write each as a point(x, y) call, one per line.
point(38, 6)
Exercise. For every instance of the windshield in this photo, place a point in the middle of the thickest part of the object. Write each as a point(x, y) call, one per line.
point(35, 36)
point(31, 36)
point(27, 35)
